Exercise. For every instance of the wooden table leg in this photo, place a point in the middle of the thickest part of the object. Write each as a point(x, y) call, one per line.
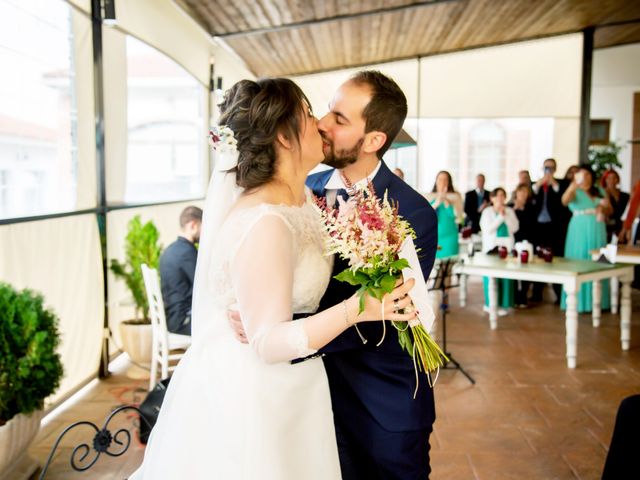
point(625, 314)
point(463, 290)
point(615, 290)
point(596, 299)
point(571, 324)
point(493, 302)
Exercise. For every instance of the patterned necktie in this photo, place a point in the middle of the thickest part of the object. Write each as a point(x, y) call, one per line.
point(341, 192)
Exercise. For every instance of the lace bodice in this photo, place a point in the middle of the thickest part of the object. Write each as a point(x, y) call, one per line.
point(270, 264)
point(312, 268)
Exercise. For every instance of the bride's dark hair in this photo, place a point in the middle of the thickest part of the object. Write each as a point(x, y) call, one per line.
point(257, 112)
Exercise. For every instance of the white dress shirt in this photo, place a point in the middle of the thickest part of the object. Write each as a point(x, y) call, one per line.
point(336, 182)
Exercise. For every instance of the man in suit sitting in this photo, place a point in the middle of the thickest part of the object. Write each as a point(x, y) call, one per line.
point(382, 431)
point(177, 269)
point(475, 201)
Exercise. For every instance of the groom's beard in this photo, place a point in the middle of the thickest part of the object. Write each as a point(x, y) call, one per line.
point(342, 158)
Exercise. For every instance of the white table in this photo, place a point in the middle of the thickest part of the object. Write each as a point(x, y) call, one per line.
point(625, 254)
point(570, 273)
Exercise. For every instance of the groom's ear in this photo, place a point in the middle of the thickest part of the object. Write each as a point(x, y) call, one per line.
point(284, 141)
point(374, 141)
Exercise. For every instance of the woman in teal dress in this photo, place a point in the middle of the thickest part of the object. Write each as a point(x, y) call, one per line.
point(498, 225)
point(448, 205)
point(587, 231)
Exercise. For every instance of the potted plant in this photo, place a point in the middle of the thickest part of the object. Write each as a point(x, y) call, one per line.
point(604, 157)
point(141, 246)
point(30, 371)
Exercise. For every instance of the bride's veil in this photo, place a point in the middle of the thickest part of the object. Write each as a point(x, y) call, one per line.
point(222, 193)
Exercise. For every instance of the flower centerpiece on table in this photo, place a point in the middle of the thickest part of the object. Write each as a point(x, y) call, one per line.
point(373, 238)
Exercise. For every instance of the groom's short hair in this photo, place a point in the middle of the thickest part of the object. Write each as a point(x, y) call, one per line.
point(387, 109)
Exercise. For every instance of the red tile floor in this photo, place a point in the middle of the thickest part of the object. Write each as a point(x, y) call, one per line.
point(527, 417)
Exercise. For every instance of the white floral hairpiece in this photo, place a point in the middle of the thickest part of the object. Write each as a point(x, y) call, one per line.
point(225, 144)
point(222, 139)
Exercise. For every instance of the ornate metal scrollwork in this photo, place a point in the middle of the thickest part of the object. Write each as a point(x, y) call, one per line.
point(102, 442)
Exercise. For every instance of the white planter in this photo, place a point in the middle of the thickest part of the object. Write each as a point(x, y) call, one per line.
point(15, 437)
point(137, 341)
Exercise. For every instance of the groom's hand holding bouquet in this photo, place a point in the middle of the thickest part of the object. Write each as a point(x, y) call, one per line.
point(377, 243)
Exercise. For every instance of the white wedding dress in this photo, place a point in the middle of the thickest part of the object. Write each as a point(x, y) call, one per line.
point(237, 411)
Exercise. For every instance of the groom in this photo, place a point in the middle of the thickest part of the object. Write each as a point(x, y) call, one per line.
point(382, 432)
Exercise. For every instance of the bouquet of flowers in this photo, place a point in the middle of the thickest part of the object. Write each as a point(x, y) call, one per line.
point(370, 235)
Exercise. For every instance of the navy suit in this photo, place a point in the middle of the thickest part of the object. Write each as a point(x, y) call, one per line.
point(382, 431)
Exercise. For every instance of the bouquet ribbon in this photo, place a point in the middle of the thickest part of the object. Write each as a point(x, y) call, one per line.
point(419, 293)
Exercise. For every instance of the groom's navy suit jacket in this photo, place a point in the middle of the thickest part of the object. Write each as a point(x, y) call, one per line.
point(380, 379)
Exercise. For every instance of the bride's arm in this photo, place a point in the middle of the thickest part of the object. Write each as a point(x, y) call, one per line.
point(262, 272)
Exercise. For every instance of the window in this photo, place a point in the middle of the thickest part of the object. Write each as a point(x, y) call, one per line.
point(499, 148)
point(165, 128)
point(37, 108)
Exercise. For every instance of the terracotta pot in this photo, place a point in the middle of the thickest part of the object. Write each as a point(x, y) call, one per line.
point(15, 437)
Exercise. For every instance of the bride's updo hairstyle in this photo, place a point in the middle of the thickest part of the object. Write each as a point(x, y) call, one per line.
point(257, 112)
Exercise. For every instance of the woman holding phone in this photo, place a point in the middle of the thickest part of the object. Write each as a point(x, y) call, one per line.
point(587, 230)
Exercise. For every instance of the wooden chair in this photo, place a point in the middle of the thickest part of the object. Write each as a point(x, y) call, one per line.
point(168, 347)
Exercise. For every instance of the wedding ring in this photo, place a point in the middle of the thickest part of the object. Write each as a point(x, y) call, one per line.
point(396, 306)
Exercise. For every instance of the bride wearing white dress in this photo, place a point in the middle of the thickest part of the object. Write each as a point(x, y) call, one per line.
point(238, 411)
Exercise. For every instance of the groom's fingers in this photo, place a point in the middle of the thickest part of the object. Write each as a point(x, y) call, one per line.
point(236, 326)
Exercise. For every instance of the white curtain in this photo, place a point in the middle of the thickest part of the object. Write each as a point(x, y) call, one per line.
point(61, 259)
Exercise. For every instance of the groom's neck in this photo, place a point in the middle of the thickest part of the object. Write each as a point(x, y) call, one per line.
point(362, 168)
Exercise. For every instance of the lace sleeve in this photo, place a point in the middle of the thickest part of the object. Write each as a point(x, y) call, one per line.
point(262, 273)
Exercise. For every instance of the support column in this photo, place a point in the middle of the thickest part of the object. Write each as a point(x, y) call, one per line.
point(98, 88)
point(585, 95)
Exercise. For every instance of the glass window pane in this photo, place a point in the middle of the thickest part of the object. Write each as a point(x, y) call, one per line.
point(165, 128)
point(37, 108)
point(497, 147)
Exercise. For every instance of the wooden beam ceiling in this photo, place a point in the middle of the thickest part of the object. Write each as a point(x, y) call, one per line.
point(287, 37)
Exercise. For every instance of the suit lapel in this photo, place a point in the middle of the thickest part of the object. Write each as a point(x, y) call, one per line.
point(382, 180)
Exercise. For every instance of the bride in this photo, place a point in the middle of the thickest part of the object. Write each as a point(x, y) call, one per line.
point(237, 411)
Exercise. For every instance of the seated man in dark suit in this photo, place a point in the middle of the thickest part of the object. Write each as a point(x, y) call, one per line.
point(475, 201)
point(177, 269)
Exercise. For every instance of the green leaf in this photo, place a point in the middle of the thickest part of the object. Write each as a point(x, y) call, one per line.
point(361, 302)
point(387, 283)
point(141, 246)
point(351, 277)
point(399, 264)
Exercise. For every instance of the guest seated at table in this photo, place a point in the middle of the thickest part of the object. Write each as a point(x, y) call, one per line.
point(523, 207)
point(586, 231)
point(177, 269)
point(618, 201)
point(499, 223)
point(448, 205)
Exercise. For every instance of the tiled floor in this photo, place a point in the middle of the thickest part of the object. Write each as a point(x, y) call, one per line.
point(527, 417)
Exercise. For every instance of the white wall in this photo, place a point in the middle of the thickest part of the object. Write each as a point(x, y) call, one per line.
point(616, 76)
point(539, 78)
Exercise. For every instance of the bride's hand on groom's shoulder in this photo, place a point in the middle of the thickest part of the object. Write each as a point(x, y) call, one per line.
point(397, 305)
point(236, 325)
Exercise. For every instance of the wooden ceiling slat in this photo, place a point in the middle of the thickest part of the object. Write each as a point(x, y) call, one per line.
point(223, 19)
point(267, 13)
point(412, 28)
point(347, 38)
point(440, 21)
point(619, 35)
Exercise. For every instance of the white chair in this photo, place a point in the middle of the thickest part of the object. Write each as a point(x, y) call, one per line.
point(164, 343)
